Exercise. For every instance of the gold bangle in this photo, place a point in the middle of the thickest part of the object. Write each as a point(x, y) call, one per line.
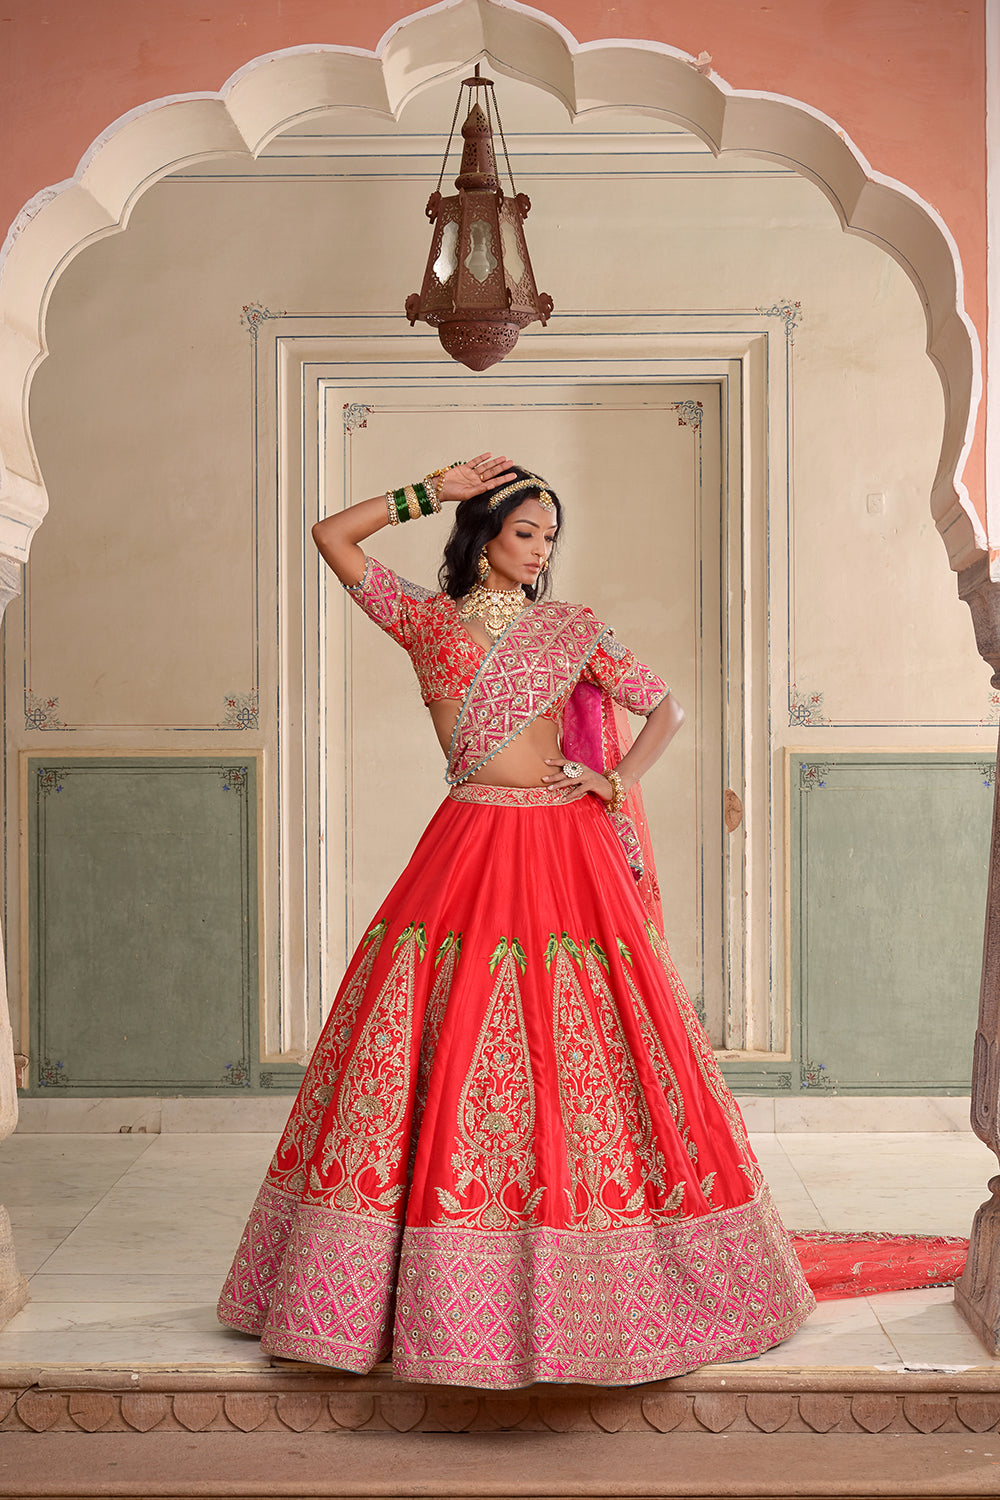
point(412, 503)
point(617, 802)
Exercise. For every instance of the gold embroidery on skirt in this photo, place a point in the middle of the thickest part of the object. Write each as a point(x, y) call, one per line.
point(705, 1058)
point(496, 1113)
point(374, 1095)
point(602, 1106)
point(288, 1167)
point(445, 961)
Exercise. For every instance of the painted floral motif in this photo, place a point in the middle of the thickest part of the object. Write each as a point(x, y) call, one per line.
point(241, 711)
point(356, 415)
point(815, 1076)
point(495, 1163)
point(254, 314)
point(365, 1139)
point(805, 710)
point(41, 713)
point(790, 314)
point(689, 414)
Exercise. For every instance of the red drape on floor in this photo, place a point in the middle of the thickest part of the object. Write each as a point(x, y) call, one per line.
point(860, 1265)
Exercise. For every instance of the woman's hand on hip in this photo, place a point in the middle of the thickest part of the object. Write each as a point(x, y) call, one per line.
point(574, 780)
point(465, 480)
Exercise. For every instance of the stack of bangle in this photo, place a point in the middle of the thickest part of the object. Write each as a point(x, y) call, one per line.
point(413, 500)
point(617, 803)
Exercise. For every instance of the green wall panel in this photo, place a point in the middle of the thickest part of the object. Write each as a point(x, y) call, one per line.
point(143, 923)
point(889, 869)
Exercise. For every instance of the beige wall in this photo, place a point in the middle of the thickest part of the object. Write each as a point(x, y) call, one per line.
point(163, 584)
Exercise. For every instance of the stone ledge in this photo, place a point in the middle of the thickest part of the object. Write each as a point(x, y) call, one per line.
point(723, 1400)
point(504, 1466)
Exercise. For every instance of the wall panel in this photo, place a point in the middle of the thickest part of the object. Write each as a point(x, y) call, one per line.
point(142, 922)
point(889, 860)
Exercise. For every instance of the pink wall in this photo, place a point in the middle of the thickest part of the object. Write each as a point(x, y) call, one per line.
point(904, 78)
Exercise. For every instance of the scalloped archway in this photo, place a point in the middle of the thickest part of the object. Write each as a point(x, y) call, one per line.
point(271, 92)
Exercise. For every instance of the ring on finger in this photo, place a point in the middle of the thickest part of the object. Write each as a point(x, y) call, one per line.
point(573, 769)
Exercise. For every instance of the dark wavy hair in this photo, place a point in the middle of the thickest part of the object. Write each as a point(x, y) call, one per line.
point(475, 525)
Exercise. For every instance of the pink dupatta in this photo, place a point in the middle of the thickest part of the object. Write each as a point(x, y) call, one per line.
point(596, 731)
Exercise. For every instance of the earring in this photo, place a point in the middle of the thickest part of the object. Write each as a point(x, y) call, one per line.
point(544, 566)
point(483, 566)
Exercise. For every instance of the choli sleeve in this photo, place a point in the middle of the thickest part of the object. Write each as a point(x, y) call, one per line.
point(619, 672)
point(388, 599)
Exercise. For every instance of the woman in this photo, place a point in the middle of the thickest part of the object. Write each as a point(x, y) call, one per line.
point(513, 1157)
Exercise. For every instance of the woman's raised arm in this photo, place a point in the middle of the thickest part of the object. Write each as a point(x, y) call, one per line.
point(338, 536)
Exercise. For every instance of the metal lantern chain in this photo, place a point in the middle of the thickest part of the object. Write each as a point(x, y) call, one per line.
point(478, 289)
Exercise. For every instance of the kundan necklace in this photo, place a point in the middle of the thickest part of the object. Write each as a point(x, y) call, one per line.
point(497, 608)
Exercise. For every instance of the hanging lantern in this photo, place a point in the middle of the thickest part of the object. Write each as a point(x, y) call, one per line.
point(478, 290)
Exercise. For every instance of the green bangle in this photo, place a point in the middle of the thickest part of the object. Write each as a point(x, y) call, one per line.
point(402, 509)
point(423, 499)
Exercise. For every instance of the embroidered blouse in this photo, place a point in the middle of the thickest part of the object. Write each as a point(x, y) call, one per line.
point(446, 658)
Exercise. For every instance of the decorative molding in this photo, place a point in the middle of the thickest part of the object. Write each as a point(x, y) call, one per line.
point(813, 1075)
point(356, 415)
point(689, 414)
point(242, 711)
point(790, 314)
point(812, 775)
point(254, 314)
point(993, 711)
point(783, 1080)
point(41, 713)
point(910, 1403)
point(988, 771)
point(805, 710)
point(237, 1074)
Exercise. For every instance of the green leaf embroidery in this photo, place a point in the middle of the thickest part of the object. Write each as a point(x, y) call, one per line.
point(625, 952)
point(404, 936)
point(572, 949)
point(551, 949)
point(520, 956)
point(599, 953)
point(439, 955)
point(378, 931)
point(422, 940)
point(498, 953)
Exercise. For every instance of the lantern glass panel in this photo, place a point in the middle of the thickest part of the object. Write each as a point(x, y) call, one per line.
point(480, 261)
point(447, 261)
point(513, 264)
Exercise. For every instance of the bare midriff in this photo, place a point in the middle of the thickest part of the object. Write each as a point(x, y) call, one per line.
point(521, 763)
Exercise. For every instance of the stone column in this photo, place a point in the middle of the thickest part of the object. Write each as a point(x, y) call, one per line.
point(13, 1287)
point(977, 1295)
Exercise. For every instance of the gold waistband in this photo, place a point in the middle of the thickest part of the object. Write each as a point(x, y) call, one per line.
point(506, 796)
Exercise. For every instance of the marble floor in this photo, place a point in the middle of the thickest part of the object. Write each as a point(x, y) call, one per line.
point(126, 1238)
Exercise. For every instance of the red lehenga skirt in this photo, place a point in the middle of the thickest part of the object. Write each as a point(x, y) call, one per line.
point(513, 1157)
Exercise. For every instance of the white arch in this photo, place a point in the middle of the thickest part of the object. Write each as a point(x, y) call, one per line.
point(271, 92)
